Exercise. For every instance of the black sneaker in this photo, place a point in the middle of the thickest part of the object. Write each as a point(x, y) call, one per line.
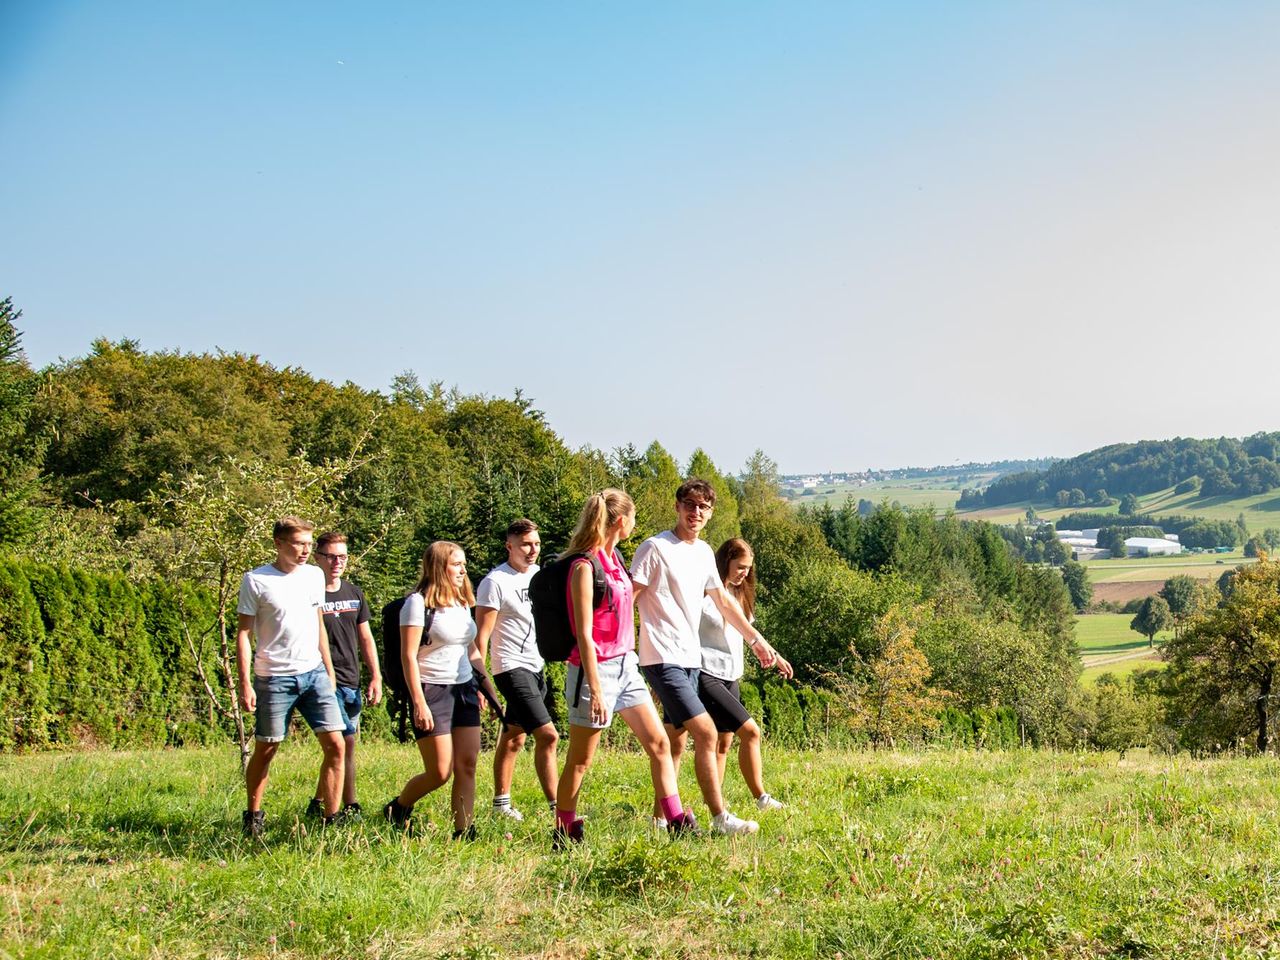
point(467, 834)
point(562, 837)
point(336, 819)
point(354, 812)
point(315, 809)
point(685, 825)
point(397, 815)
point(253, 823)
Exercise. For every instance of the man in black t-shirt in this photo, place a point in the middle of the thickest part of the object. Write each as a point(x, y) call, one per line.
point(346, 620)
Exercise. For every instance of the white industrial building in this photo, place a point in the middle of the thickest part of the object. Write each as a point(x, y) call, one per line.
point(1151, 547)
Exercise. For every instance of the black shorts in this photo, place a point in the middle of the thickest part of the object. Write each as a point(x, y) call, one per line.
point(528, 702)
point(452, 705)
point(723, 700)
point(677, 690)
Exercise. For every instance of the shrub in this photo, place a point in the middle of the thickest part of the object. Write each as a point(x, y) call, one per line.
point(783, 717)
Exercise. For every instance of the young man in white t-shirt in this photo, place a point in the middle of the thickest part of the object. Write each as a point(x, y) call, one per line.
point(281, 605)
point(503, 614)
point(673, 571)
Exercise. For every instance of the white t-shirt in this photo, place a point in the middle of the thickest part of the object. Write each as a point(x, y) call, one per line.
point(722, 644)
point(285, 620)
point(677, 576)
point(512, 643)
point(443, 657)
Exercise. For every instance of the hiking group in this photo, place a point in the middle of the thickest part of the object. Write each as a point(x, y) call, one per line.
point(695, 609)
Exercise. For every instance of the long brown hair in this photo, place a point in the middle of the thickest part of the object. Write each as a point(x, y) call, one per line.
point(434, 583)
point(735, 548)
point(599, 513)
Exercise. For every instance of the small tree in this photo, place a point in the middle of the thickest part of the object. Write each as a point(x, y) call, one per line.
point(1153, 616)
point(1078, 585)
point(1255, 546)
point(1129, 505)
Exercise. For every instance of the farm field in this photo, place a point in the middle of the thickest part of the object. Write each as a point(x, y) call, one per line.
point(1201, 566)
point(940, 494)
point(879, 854)
point(1108, 645)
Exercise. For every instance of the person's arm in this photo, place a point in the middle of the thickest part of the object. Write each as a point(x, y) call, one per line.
point(486, 620)
point(730, 609)
point(482, 675)
point(244, 662)
point(582, 596)
point(410, 640)
point(369, 650)
point(324, 649)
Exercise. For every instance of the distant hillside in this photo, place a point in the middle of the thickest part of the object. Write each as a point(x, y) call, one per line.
point(1225, 467)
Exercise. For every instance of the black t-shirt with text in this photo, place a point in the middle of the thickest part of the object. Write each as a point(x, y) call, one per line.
point(344, 610)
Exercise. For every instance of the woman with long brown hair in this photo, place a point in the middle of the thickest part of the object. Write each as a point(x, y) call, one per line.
point(723, 663)
point(443, 670)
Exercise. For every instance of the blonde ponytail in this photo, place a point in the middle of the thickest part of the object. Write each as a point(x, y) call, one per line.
point(599, 513)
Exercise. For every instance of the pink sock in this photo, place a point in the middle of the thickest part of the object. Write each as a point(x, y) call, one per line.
point(671, 808)
point(566, 817)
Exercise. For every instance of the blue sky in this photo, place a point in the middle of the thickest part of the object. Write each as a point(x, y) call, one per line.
point(850, 234)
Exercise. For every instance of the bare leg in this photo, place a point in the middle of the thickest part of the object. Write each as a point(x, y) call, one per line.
point(644, 723)
point(703, 731)
point(676, 739)
point(255, 775)
point(510, 743)
point(749, 757)
point(348, 774)
point(582, 747)
point(723, 743)
point(437, 765)
point(466, 753)
point(331, 743)
point(545, 740)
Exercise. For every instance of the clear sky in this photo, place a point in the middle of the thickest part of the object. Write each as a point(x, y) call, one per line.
point(851, 234)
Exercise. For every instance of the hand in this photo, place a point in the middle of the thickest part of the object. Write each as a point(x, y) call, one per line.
point(248, 699)
point(783, 666)
point(422, 718)
point(375, 691)
point(598, 712)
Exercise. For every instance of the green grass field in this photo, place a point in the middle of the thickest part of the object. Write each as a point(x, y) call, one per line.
point(1201, 566)
point(951, 854)
point(1108, 645)
point(939, 494)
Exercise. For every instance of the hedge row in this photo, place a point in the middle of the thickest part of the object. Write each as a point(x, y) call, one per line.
point(90, 659)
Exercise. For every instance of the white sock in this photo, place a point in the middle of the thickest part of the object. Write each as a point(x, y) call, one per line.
point(502, 801)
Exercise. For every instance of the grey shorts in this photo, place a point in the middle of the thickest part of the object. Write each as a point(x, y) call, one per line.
point(621, 687)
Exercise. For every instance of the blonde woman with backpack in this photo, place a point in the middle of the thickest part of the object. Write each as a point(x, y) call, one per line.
point(603, 675)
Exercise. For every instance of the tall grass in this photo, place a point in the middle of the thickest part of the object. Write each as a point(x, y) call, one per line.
point(937, 854)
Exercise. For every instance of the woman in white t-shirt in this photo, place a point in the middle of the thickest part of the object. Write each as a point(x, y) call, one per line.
point(719, 686)
point(443, 671)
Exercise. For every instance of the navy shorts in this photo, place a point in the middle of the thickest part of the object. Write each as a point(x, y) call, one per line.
point(723, 700)
point(528, 703)
point(677, 690)
point(452, 706)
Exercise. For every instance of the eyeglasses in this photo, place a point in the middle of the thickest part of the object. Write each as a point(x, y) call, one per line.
point(335, 557)
point(696, 506)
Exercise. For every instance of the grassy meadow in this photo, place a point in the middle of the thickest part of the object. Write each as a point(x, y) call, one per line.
point(941, 494)
point(1108, 645)
point(933, 854)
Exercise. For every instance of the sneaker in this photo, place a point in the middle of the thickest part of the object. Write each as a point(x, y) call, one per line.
point(338, 819)
point(353, 812)
point(729, 825)
point(254, 823)
point(685, 825)
point(766, 802)
point(511, 813)
point(658, 823)
point(315, 809)
point(397, 815)
point(561, 837)
point(468, 834)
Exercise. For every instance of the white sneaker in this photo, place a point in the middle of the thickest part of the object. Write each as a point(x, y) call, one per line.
point(659, 824)
point(766, 802)
point(511, 813)
point(731, 826)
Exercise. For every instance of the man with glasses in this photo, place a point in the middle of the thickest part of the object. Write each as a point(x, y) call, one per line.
point(279, 605)
point(672, 572)
point(346, 620)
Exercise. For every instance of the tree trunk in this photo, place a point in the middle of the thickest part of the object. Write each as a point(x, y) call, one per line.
point(1264, 695)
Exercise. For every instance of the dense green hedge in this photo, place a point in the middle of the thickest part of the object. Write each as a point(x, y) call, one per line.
point(94, 659)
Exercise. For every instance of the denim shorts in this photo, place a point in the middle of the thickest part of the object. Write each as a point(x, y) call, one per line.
point(620, 688)
point(311, 694)
point(349, 705)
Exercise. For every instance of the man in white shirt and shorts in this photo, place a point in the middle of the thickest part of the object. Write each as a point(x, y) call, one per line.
point(505, 617)
point(672, 572)
point(280, 604)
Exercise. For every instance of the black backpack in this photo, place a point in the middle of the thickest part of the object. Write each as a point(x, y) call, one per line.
point(549, 596)
point(394, 686)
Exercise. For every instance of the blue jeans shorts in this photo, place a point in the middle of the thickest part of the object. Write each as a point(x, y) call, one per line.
point(311, 694)
point(350, 704)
